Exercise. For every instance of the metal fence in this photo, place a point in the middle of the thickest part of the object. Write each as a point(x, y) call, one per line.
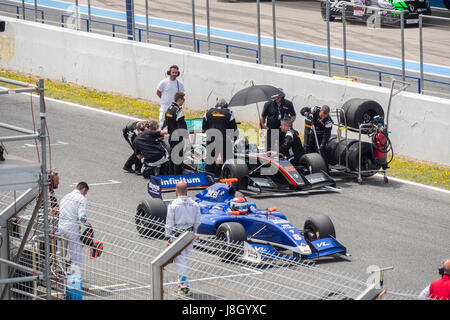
point(411, 54)
point(124, 269)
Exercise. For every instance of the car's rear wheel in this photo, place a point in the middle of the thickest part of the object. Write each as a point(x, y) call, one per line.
point(318, 227)
point(235, 168)
point(230, 237)
point(150, 218)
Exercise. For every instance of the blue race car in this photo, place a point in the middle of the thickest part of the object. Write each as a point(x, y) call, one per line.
point(261, 234)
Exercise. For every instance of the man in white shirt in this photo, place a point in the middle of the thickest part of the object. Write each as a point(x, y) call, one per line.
point(183, 214)
point(72, 211)
point(166, 91)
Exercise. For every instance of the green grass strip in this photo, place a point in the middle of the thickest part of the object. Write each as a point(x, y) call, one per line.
point(401, 167)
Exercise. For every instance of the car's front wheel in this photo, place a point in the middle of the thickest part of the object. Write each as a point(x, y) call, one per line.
point(318, 227)
point(150, 218)
point(230, 238)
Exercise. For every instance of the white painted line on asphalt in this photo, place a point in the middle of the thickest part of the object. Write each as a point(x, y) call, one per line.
point(415, 184)
point(81, 106)
point(59, 143)
point(91, 109)
point(100, 183)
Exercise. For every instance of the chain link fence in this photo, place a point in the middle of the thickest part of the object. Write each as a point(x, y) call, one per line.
point(123, 271)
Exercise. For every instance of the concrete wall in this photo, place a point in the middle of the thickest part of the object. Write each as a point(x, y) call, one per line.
point(419, 124)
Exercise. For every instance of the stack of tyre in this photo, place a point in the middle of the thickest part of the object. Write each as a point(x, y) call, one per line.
point(346, 151)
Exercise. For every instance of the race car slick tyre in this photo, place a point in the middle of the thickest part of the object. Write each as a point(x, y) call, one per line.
point(235, 169)
point(315, 161)
point(367, 160)
point(340, 153)
point(320, 225)
point(231, 237)
point(150, 218)
point(330, 149)
point(358, 111)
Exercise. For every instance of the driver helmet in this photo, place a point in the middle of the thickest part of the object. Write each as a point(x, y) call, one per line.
point(239, 204)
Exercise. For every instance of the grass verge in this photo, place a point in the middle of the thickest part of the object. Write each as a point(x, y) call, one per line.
point(401, 167)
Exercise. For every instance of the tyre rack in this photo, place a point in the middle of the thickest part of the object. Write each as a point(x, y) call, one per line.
point(362, 128)
point(345, 167)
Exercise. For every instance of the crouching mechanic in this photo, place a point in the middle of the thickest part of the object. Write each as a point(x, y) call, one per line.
point(183, 214)
point(130, 132)
point(72, 211)
point(323, 124)
point(290, 143)
point(148, 144)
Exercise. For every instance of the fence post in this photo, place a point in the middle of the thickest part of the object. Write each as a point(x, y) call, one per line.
point(274, 33)
point(44, 185)
point(130, 19)
point(77, 15)
point(208, 26)
point(328, 37)
point(23, 9)
point(89, 16)
point(421, 53)
point(35, 10)
point(258, 18)
point(402, 24)
point(147, 28)
point(164, 258)
point(193, 27)
point(344, 38)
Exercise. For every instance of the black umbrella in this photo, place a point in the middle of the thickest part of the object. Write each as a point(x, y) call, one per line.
point(255, 94)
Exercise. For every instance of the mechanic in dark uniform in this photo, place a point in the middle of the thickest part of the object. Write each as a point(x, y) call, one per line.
point(322, 122)
point(174, 119)
point(273, 111)
point(130, 132)
point(222, 119)
point(148, 145)
point(2, 158)
point(290, 143)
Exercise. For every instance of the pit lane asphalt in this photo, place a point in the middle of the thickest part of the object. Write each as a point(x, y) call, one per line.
point(392, 224)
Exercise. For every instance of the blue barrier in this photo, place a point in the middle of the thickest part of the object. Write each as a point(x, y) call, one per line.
point(26, 8)
point(380, 72)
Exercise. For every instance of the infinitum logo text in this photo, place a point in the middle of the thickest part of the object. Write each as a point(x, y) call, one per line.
point(174, 181)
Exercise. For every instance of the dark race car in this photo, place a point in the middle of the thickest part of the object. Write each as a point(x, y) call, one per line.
point(244, 231)
point(261, 175)
point(387, 12)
